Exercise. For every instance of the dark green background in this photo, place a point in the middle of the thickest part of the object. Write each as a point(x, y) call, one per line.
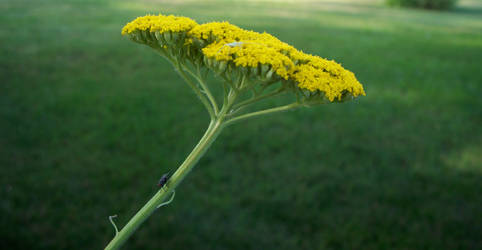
point(89, 121)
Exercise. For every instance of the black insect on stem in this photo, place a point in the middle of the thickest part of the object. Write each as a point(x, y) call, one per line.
point(163, 180)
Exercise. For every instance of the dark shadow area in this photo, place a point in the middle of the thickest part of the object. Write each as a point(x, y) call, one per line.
point(472, 10)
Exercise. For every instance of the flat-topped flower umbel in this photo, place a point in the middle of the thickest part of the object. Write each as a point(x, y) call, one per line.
point(223, 44)
point(252, 66)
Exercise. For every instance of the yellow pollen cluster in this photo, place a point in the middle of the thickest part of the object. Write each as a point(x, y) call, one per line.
point(159, 23)
point(318, 74)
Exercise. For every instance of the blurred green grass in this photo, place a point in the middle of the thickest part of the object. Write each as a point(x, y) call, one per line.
point(89, 121)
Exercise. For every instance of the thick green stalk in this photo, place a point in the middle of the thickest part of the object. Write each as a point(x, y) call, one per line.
point(218, 122)
point(209, 136)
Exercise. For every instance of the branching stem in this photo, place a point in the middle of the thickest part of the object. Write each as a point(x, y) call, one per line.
point(219, 120)
point(204, 86)
point(243, 104)
point(196, 90)
point(262, 112)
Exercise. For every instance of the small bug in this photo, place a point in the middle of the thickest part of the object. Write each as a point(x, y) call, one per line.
point(234, 44)
point(231, 45)
point(163, 180)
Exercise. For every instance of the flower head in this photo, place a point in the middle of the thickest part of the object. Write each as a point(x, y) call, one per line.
point(221, 46)
point(159, 23)
point(314, 73)
point(262, 52)
point(217, 31)
point(160, 32)
point(253, 54)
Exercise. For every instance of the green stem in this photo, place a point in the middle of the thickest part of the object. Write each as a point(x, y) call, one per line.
point(205, 87)
point(209, 136)
point(196, 90)
point(218, 122)
point(209, 104)
point(262, 112)
point(243, 104)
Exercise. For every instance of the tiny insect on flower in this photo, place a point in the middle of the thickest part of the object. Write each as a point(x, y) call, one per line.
point(163, 180)
point(232, 45)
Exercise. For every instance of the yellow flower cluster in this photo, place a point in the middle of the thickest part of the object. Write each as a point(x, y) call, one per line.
point(159, 23)
point(227, 42)
point(264, 53)
point(248, 48)
point(224, 32)
point(217, 31)
point(250, 54)
point(329, 77)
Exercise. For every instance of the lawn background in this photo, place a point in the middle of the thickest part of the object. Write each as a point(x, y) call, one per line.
point(89, 121)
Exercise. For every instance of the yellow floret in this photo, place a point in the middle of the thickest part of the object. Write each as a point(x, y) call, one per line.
point(159, 23)
point(217, 31)
point(243, 47)
point(224, 32)
point(250, 53)
point(329, 77)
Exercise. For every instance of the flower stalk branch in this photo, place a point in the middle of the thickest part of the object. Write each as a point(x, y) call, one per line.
point(204, 100)
point(198, 76)
point(215, 127)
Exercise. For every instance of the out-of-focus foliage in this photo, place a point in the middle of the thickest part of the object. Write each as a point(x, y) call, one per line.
point(425, 4)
